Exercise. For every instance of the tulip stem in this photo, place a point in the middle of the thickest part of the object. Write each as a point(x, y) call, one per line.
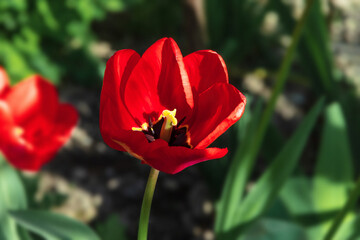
point(341, 215)
point(146, 204)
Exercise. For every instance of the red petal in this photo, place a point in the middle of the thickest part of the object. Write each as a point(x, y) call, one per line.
point(12, 146)
point(21, 156)
point(218, 108)
point(30, 97)
point(110, 130)
point(175, 159)
point(162, 157)
point(4, 81)
point(32, 152)
point(6, 122)
point(114, 117)
point(159, 81)
point(64, 124)
point(132, 142)
point(205, 68)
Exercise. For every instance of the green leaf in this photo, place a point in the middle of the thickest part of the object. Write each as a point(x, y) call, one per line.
point(13, 60)
point(268, 186)
point(236, 178)
point(315, 53)
point(215, 171)
point(334, 168)
point(112, 229)
point(44, 10)
point(274, 141)
point(243, 165)
point(349, 230)
point(233, 26)
point(297, 197)
point(271, 229)
point(12, 197)
point(53, 226)
point(24, 234)
point(314, 47)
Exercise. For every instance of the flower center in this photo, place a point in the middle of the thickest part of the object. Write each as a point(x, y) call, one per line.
point(168, 128)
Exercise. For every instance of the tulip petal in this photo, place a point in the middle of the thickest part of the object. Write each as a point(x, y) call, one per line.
point(48, 146)
point(8, 130)
point(175, 159)
point(111, 131)
point(30, 97)
point(205, 68)
point(133, 142)
point(21, 156)
point(217, 109)
point(114, 116)
point(4, 81)
point(169, 159)
point(64, 124)
point(159, 81)
point(12, 145)
point(30, 152)
point(6, 121)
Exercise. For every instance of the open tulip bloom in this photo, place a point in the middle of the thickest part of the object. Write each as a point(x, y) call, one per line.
point(33, 124)
point(165, 109)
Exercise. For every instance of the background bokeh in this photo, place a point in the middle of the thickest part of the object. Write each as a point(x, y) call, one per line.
point(69, 42)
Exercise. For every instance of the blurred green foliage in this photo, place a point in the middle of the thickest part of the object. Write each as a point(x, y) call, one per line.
point(111, 229)
point(323, 195)
point(52, 38)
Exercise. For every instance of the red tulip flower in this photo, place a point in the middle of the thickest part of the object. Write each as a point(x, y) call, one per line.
point(33, 124)
point(165, 109)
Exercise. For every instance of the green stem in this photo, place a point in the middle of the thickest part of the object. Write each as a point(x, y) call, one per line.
point(350, 204)
point(146, 204)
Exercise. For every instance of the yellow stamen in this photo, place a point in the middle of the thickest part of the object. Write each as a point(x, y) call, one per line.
point(19, 131)
point(144, 126)
point(169, 121)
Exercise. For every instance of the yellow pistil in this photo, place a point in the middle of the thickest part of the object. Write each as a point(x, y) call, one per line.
point(169, 122)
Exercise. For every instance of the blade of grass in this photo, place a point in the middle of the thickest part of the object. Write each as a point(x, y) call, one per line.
point(267, 188)
point(215, 171)
point(315, 51)
point(233, 188)
point(243, 163)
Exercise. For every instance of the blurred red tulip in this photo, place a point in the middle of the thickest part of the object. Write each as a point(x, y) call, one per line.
point(33, 124)
point(138, 91)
